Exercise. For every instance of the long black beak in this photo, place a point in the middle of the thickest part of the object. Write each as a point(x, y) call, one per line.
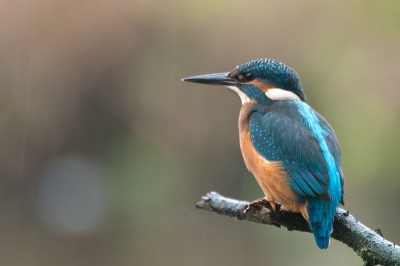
point(213, 79)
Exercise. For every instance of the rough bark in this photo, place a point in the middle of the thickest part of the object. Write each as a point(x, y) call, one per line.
point(367, 243)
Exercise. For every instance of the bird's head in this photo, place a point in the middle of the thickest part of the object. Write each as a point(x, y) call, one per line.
point(260, 80)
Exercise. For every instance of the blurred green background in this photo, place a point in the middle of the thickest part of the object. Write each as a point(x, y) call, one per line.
point(104, 151)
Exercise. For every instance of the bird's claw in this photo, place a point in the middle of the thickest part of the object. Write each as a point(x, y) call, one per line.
point(261, 203)
point(263, 208)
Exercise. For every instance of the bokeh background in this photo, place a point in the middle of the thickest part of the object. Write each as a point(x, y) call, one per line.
point(104, 151)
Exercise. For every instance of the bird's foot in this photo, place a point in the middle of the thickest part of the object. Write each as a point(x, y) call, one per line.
point(272, 203)
point(263, 208)
point(260, 203)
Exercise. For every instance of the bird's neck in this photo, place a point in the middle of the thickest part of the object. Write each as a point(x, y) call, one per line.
point(255, 94)
point(245, 113)
point(244, 133)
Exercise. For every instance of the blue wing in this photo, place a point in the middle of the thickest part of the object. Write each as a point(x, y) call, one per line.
point(280, 134)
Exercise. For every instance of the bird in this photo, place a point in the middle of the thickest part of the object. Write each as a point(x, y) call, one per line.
point(290, 149)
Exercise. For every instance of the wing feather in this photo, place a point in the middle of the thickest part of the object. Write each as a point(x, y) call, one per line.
point(281, 138)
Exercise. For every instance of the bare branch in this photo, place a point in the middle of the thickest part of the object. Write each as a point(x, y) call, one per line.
point(367, 243)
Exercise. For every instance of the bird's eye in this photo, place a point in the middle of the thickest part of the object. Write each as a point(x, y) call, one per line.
point(249, 77)
point(244, 77)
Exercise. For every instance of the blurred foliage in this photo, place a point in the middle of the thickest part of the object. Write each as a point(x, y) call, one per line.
point(100, 80)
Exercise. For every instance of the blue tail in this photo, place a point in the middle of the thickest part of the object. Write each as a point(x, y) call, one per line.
point(320, 214)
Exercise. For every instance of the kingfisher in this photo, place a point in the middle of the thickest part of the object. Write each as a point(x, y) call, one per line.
point(290, 149)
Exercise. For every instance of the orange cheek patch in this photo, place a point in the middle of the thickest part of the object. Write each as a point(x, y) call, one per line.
point(233, 74)
point(262, 86)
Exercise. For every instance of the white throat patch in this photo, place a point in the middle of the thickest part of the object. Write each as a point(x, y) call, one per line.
point(274, 94)
point(243, 97)
point(281, 95)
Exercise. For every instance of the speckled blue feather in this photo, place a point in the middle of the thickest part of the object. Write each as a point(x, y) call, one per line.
point(294, 134)
point(320, 212)
point(274, 73)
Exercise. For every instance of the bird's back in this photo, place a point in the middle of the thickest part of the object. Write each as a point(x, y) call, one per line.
point(304, 153)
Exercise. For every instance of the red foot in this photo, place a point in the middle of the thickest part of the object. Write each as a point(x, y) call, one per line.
point(257, 204)
point(272, 202)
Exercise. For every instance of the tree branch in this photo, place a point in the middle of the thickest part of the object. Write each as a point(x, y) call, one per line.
point(368, 244)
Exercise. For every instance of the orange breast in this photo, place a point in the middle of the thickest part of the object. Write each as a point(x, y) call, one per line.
point(270, 176)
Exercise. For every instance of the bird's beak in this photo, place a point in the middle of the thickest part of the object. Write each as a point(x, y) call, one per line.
point(213, 79)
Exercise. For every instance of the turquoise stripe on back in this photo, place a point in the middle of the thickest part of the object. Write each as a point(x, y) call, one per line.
point(320, 132)
point(320, 212)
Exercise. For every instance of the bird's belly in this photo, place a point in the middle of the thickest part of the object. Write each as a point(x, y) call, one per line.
point(270, 176)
